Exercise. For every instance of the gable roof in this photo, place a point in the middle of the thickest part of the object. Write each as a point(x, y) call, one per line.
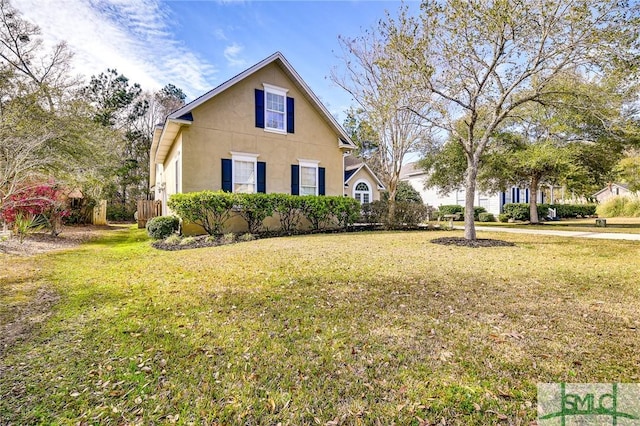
point(411, 169)
point(351, 170)
point(613, 185)
point(183, 116)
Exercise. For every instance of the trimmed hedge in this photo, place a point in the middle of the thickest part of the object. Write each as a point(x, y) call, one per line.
point(574, 210)
point(161, 227)
point(209, 209)
point(451, 209)
point(476, 212)
point(520, 211)
point(486, 217)
point(408, 214)
point(212, 210)
point(458, 209)
point(254, 209)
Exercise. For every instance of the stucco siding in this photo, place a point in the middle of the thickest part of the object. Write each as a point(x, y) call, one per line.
point(226, 124)
point(364, 175)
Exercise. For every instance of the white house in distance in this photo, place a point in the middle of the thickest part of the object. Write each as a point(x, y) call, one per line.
point(612, 190)
point(493, 203)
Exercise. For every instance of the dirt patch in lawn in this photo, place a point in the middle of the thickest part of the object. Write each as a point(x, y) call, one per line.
point(463, 242)
point(27, 317)
point(37, 243)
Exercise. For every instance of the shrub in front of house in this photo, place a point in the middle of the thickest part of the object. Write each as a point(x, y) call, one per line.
point(254, 209)
point(574, 210)
point(161, 227)
point(476, 212)
point(486, 217)
point(345, 210)
point(289, 209)
point(520, 211)
point(410, 214)
point(317, 210)
point(450, 209)
point(504, 217)
point(209, 209)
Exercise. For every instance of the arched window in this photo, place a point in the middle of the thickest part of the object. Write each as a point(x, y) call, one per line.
point(362, 192)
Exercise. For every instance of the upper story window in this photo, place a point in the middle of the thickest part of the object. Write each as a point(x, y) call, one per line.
point(275, 108)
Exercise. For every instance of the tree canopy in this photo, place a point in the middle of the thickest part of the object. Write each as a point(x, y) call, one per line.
point(478, 63)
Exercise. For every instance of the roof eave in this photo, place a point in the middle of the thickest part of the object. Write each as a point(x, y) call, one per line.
point(293, 74)
point(170, 130)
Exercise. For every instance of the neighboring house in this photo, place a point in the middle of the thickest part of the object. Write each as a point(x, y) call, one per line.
point(493, 203)
point(264, 130)
point(612, 190)
point(360, 182)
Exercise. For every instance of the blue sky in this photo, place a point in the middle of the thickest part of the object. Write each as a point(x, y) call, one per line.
point(196, 45)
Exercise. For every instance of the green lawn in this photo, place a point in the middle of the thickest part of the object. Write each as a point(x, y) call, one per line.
point(365, 328)
point(614, 225)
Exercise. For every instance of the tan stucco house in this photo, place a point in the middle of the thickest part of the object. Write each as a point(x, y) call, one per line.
point(263, 130)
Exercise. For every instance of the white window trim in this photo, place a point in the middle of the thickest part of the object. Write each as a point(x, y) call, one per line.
point(249, 158)
point(369, 192)
point(280, 91)
point(311, 164)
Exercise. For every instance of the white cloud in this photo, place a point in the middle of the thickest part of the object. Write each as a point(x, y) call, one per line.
point(231, 54)
point(219, 34)
point(132, 36)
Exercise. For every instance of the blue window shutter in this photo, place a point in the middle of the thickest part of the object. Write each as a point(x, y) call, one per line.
point(262, 177)
point(260, 108)
point(321, 189)
point(226, 175)
point(526, 195)
point(295, 180)
point(290, 115)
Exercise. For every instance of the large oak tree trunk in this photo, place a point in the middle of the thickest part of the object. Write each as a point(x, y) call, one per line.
point(470, 194)
point(533, 207)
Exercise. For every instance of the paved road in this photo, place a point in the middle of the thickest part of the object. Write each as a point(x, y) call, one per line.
point(576, 234)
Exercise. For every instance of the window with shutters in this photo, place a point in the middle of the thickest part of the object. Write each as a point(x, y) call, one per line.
point(275, 111)
point(244, 173)
point(362, 192)
point(308, 178)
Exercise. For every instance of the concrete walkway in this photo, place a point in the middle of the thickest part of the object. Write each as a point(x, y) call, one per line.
point(576, 234)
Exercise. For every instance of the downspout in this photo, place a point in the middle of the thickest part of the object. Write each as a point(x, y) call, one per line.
point(344, 156)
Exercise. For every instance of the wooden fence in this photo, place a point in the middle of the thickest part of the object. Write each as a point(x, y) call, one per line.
point(100, 213)
point(148, 209)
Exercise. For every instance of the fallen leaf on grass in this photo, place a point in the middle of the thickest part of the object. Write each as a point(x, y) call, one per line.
point(499, 415)
point(445, 355)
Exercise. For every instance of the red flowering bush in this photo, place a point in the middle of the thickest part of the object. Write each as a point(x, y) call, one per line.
point(43, 203)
